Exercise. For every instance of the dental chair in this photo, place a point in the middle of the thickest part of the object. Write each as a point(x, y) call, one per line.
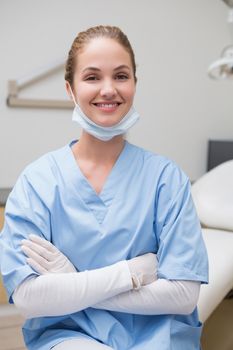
point(213, 198)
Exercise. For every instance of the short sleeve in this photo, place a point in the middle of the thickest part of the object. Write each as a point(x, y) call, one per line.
point(182, 253)
point(25, 213)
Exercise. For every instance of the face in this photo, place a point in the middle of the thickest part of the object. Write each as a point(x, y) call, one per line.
point(104, 85)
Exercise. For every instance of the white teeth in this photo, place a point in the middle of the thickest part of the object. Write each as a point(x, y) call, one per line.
point(107, 105)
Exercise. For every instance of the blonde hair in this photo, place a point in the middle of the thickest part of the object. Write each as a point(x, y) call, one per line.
point(85, 37)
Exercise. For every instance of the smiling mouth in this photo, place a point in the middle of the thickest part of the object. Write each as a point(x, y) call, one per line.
point(107, 105)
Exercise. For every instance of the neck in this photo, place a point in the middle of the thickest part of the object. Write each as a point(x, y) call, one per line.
point(97, 151)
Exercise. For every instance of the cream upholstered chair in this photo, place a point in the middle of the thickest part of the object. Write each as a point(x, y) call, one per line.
point(213, 198)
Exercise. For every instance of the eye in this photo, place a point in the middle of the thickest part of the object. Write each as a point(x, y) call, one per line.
point(91, 78)
point(122, 76)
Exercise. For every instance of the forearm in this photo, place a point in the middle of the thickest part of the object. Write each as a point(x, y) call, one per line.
point(158, 298)
point(65, 293)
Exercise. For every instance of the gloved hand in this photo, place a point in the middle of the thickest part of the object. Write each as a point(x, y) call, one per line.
point(143, 269)
point(44, 257)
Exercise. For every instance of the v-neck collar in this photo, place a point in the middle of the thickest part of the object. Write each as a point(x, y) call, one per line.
point(100, 203)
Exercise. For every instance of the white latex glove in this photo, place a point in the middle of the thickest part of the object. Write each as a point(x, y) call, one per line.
point(143, 269)
point(44, 257)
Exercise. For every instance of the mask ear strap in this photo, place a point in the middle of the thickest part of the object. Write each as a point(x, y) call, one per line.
point(72, 95)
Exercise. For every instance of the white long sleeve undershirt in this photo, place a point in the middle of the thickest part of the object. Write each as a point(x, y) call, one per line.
point(157, 298)
point(108, 288)
point(65, 293)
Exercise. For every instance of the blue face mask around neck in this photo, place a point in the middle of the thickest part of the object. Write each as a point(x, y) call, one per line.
point(104, 133)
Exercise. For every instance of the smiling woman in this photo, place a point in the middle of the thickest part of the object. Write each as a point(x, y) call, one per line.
point(102, 248)
point(104, 81)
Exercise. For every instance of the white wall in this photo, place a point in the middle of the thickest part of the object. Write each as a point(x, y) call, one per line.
point(174, 42)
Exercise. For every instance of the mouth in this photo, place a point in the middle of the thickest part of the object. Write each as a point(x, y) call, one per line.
point(107, 106)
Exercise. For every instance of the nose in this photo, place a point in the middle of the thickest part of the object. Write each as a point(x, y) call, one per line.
point(108, 89)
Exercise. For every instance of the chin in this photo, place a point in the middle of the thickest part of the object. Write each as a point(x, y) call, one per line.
point(106, 122)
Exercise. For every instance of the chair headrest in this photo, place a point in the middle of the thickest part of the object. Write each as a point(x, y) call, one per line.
point(213, 197)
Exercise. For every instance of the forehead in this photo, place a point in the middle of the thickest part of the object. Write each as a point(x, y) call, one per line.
point(101, 53)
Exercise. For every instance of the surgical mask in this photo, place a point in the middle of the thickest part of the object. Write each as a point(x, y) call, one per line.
point(104, 133)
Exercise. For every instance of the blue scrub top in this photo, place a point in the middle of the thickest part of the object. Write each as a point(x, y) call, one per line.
point(144, 206)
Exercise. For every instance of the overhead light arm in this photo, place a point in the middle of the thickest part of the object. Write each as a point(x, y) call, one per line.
point(223, 67)
point(229, 3)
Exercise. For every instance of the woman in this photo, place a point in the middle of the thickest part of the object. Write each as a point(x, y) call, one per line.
point(99, 210)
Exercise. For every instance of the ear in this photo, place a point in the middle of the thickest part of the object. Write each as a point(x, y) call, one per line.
point(68, 89)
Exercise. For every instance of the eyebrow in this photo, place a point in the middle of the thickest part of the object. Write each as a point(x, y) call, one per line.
point(123, 66)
